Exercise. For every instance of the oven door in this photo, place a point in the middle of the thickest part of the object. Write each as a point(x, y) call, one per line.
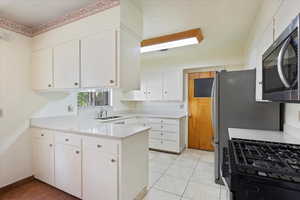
point(225, 173)
point(280, 70)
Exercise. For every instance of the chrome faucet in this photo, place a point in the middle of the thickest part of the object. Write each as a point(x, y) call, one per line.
point(101, 114)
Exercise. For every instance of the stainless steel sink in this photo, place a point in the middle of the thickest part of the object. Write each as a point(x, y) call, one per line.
point(108, 118)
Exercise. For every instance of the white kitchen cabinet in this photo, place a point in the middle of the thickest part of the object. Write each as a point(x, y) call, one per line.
point(166, 134)
point(68, 168)
point(154, 84)
point(99, 60)
point(43, 156)
point(172, 85)
point(98, 185)
point(66, 65)
point(42, 69)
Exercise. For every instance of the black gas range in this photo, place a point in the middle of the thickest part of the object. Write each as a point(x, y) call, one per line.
point(258, 170)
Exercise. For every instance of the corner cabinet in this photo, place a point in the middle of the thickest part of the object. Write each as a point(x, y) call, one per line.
point(42, 69)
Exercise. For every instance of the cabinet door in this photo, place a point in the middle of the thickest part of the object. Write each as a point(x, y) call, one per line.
point(154, 86)
point(99, 60)
point(98, 185)
point(66, 65)
point(68, 169)
point(43, 161)
point(42, 69)
point(172, 86)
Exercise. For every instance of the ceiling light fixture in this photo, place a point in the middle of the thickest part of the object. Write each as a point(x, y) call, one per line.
point(181, 39)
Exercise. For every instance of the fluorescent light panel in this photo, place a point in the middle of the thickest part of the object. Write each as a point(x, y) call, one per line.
point(170, 45)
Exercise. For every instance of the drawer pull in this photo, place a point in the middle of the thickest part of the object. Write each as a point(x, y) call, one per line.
point(67, 140)
point(77, 152)
point(42, 135)
point(113, 160)
point(99, 146)
point(50, 145)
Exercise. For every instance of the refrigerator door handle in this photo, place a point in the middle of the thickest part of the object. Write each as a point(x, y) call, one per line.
point(213, 110)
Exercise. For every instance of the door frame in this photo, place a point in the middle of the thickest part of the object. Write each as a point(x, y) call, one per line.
point(186, 93)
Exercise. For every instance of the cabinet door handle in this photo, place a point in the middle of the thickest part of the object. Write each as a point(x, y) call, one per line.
point(99, 146)
point(42, 135)
point(77, 152)
point(113, 160)
point(111, 81)
point(50, 145)
point(75, 83)
point(49, 85)
point(67, 140)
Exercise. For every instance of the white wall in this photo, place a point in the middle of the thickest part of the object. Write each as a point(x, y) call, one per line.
point(18, 102)
point(282, 12)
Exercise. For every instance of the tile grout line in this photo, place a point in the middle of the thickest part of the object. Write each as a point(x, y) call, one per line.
point(189, 180)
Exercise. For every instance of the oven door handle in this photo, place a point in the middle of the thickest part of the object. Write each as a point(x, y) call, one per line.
point(280, 63)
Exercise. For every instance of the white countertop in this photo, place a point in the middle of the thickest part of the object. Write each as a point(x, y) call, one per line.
point(158, 115)
point(262, 135)
point(88, 127)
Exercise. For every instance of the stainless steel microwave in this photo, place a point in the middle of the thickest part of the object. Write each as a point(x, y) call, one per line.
point(280, 67)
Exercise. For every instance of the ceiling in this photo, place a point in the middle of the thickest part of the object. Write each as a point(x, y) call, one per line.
point(225, 23)
point(36, 12)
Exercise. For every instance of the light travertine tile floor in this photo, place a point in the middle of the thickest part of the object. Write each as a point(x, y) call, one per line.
point(189, 176)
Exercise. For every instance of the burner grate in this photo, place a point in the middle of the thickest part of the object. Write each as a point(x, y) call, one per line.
point(267, 159)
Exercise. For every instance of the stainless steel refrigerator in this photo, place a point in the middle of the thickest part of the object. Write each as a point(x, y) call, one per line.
point(234, 106)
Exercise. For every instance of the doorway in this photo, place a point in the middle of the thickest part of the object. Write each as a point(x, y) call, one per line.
point(200, 131)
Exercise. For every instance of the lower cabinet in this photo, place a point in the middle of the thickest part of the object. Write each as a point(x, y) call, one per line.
point(95, 161)
point(43, 159)
point(166, 134)
point(68, 169)
point(91, 168)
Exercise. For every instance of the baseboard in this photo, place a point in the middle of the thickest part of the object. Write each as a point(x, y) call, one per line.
point(142, 194)
point(16, 184)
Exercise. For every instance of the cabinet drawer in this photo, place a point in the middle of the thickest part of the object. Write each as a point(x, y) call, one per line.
point(102, 145)
point(170, 121)
point(156, 134)
point(170, 128)
point(68, 139)
point(155, 120)
point(170, 146)
point(43, 134)
point(170, 136)
point(155, 127)
point(155, 143)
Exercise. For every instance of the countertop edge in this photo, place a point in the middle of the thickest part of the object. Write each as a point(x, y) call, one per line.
point(90, 134)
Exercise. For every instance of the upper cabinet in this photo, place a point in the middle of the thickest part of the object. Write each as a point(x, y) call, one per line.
point(99, 60)
point(66, 65)
point(42, 69)
point(159, 86)
point(98, 51)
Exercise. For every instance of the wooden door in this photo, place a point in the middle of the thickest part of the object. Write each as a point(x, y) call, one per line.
point(42, 69)
point(99, 55)
point(68, 169)
point(200, 120)
point(66, 65)
point(100, 174)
